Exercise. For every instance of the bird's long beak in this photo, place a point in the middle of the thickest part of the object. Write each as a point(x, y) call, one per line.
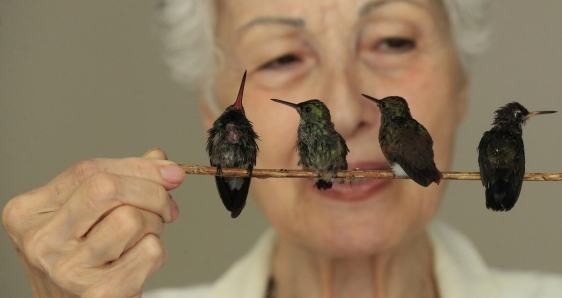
point(372, 98)
point(238, 103)
point(531, 114)
point(292, 105)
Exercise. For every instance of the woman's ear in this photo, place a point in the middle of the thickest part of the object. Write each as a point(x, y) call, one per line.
point(207, 112)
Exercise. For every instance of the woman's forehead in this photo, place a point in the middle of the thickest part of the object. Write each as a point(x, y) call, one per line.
point(244, 14)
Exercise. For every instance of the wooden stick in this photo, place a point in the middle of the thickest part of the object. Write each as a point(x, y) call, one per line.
point(351, 174)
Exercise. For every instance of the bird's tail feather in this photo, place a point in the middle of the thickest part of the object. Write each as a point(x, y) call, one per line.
point(500, 196)
point(423, 177)
point(322, 184)
point(234, 199)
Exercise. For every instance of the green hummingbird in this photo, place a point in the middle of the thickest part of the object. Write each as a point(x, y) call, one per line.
point(321, 148)
point(405, 143)
point(501, 156)
point(231, 143)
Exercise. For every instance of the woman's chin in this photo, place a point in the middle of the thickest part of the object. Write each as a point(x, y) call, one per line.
point(364, 218)
point(358, 234)
point(340, 222)
point(367, 218)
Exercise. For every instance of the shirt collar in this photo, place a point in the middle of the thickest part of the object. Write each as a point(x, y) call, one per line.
point(459, 269)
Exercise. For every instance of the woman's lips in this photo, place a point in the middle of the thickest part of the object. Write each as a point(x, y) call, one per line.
point(359, 190)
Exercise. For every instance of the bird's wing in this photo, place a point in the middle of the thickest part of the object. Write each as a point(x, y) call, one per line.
point(343, 150)
point(211, 136)
point(250, 146)
point(411, 146)
point(501, 158)
point(483, 162)
point(519, 169)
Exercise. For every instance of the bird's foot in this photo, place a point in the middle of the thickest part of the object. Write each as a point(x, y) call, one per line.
point(219, 171)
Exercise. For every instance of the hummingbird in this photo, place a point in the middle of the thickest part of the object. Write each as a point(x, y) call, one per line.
point(501, 156)
point(321, 148)
point(231, 143)
point(405, 143)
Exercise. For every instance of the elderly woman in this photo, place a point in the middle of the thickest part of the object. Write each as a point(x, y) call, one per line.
point(94, 230)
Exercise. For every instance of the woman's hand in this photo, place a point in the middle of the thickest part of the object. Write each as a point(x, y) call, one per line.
point(93, 231)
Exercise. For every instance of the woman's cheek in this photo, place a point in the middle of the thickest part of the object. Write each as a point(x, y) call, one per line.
point(277, 130)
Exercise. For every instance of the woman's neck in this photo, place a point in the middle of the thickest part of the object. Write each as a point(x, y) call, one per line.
point(404, 271)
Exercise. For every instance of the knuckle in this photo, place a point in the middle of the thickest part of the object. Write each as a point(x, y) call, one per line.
point(102, 187)
point(85, 169)
point(154, 250)
point(16, 214)
point(126, 219)
point(11, 212)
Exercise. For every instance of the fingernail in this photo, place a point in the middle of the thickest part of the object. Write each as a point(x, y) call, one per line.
point(149, 151)
point(155, 153)
point(172, 174)
point(174, 209)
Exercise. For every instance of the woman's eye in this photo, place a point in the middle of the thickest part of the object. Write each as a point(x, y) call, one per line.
point(396, 45)
point(282, 61)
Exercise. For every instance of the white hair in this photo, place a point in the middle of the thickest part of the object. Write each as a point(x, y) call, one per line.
point(469, 27)
point(188, 27)
point(191, 49)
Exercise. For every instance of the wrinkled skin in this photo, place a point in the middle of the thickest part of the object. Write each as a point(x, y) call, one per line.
point(336, 56)
point(93, 231)
point(335, 51)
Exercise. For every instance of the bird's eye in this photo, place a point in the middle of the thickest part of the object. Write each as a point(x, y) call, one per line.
point(308, 109)
point(517, 114)
point(383, 104)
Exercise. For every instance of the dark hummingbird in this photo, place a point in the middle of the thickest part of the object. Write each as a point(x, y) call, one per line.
point(501, 156)
point(231, 143)
point(321, 148)
point(405, 143)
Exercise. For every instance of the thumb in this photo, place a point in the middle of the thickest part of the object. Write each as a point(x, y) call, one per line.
point(155, 153)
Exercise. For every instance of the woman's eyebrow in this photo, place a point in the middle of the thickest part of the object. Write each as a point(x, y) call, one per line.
point(371, 5)
point(295, 22)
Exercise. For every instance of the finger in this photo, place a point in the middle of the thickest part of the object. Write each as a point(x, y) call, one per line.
point(120, 230)
point(126, 276)
point(155, 153)
point(102, 193)
point(164, 172)
point(145, 257)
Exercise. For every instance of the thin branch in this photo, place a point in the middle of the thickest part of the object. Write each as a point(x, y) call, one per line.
point(351, 174)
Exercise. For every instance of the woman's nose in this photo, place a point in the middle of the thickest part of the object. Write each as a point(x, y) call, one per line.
point(350, 111)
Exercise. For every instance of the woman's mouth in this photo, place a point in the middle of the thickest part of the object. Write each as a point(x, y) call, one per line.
point(357, 190)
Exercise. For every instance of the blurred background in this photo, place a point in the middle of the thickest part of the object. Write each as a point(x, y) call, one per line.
point(82, 79)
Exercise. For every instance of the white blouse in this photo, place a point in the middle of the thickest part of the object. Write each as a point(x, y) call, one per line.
point(459, 269)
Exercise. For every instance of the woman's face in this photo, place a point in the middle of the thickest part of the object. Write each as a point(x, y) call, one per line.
point(335, 50)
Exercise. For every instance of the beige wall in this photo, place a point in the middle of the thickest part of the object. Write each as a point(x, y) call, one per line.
point(83, 79)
